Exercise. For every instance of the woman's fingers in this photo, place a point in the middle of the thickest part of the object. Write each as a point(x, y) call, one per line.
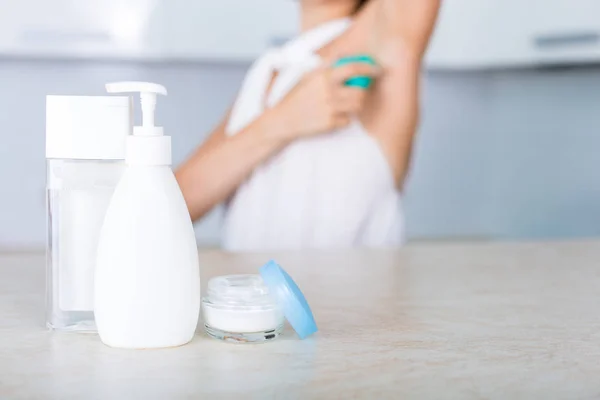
point(348, 100)
point(341, 120)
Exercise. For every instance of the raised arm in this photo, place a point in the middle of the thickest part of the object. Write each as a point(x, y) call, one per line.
point(222, 163)
point(397, 33)
point(407, 21)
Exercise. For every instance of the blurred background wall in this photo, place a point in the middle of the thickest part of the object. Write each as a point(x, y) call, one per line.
point(499, 154)
point(502, 152)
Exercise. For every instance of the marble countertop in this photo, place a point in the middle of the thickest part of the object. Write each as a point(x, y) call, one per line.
point(464, 321)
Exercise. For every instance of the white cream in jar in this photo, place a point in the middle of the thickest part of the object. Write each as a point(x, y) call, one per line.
point(239, 308)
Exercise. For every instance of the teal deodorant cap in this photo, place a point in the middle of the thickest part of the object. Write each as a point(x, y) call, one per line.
point(363, 82)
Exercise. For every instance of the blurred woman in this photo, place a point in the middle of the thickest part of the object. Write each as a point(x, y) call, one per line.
point(302, 160)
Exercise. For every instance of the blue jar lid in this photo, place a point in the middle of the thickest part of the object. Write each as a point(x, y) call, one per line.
point(288, 294)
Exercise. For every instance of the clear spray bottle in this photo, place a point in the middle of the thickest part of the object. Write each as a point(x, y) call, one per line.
point(85, 149)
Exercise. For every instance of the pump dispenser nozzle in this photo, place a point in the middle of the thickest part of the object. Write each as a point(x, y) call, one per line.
point(148, 145)
point(148, 92)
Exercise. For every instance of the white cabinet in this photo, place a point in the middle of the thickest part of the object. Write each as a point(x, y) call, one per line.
point(226, 30)
point(566, 31)
point(475, 34)
point(70, 28)
point(470, 34)
point(223, 29)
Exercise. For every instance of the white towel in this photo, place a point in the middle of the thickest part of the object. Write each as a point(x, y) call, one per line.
point(333, 190)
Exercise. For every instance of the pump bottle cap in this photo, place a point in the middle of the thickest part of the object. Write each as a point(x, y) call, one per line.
point(147, 145)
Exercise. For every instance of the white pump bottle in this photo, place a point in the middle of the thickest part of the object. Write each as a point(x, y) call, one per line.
point(147, 283)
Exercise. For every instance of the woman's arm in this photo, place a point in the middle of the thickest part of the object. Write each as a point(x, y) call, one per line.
point(222, 163)
point(319, 103)
point(398, 33)
point(408, 21)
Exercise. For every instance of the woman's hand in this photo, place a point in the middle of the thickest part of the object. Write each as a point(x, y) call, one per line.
point(321, 102)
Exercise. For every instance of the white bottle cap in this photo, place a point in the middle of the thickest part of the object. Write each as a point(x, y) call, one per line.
point(87, 127)
point(148, 145)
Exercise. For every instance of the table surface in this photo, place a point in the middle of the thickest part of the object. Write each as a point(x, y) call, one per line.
point(428, 321)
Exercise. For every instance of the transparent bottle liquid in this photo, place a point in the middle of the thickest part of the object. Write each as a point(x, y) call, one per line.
point(78, 195)
point(85, 153)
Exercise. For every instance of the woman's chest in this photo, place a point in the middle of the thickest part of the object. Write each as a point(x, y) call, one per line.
point(343, 163)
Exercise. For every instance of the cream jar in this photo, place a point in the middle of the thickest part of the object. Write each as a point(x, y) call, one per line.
point(239, 308)
point(253, 308)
